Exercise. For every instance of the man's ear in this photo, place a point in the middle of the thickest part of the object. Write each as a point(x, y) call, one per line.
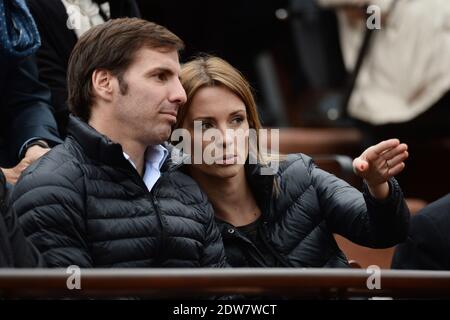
point(103, 84)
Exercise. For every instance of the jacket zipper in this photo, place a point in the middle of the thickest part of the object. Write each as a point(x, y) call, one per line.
point(260, 262)
point(280, 258)
point(163, 234)
point(155, 204)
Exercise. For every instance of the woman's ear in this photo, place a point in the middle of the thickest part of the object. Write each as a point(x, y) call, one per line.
point(103, 84)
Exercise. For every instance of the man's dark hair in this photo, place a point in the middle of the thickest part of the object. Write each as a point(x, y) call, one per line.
point(111, 46)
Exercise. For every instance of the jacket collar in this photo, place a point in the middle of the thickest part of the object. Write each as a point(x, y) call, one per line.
point(176, 159)
point(96, 145)
point(261, 186)
point(2, 187)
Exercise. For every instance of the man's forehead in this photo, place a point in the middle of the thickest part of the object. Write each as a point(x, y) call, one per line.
point(158, 58)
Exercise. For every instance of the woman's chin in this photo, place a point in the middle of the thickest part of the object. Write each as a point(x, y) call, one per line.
point(224, 171)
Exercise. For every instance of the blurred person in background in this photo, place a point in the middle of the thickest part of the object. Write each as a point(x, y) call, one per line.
point(428, 243)
point(403, 86)
point(61, 23)
point(28, 128)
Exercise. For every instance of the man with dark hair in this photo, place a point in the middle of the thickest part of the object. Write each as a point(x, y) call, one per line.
point(108, 197)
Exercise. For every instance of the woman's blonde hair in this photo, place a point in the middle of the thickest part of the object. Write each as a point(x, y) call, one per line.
point(210, 71)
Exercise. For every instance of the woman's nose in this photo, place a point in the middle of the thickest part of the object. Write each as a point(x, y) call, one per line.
point(228, 136)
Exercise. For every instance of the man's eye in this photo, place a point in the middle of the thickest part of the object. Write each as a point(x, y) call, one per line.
point(161, 76)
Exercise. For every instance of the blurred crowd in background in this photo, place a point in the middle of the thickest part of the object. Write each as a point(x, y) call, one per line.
point(335, 75)
point(315, 64)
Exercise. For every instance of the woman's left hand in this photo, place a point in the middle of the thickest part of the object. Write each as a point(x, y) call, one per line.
point(378, 163)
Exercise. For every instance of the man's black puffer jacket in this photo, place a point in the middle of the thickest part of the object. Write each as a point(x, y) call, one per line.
point(84, 204)
point(311, 205)
point(15, 249)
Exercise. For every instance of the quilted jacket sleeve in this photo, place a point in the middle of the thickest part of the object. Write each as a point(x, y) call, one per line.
point(50, 205)
point(214, 253)
point(357, 215)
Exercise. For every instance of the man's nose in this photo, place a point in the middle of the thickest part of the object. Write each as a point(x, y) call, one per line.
point(177, 94)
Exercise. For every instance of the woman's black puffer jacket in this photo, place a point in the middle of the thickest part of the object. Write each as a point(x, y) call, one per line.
point(310, 205)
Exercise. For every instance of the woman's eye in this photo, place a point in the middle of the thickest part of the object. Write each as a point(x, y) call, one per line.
point(206, 125)
point(237, 120)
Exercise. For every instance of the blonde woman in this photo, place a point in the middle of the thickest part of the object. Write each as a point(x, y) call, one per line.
point(286, 219)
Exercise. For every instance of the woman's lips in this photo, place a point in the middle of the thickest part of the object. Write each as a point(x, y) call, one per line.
point(227, 159)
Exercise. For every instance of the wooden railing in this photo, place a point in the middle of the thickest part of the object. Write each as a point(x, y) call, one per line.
point(182, 283)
